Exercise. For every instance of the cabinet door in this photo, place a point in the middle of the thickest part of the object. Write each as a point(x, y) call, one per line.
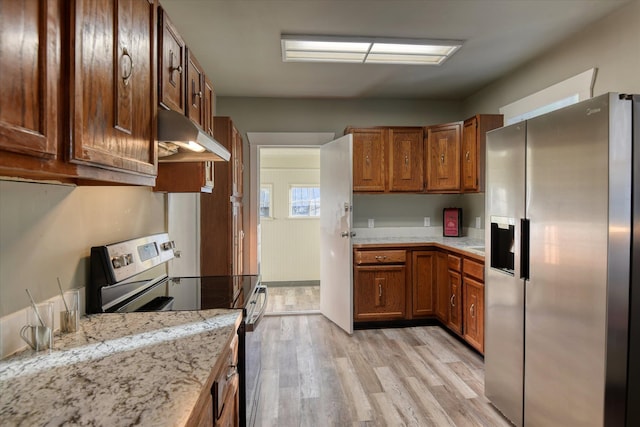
point(195, 90)
point(474, 313)
point(442, 287)
point(113, 83)
point(171, 66)
point(238, 237)
point(424, 276)
point(185, 177)
point(238, 167)
point(208, 102)
point(368, 160)
point(443, 158)
point(29, 78)
point(455, 302)
point(406, 157)
point(470, 179)
point(379, 292)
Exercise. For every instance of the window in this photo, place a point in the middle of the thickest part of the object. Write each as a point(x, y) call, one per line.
point(304, 201)
point(567, 92)
point(266, 195)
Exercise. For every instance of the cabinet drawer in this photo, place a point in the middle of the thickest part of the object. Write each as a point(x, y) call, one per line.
point(454, 262)
point(381, 257)
point(473, 269)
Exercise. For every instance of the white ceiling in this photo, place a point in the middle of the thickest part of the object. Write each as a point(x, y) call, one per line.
point(238, 42)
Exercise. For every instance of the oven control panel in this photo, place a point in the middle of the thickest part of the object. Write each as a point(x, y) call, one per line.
point(131, 257)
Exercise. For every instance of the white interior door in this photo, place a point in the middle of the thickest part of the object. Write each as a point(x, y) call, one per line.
point(336, 269)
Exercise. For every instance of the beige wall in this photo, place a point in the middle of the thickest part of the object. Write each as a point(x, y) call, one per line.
point(612, 45)
point(46, 231)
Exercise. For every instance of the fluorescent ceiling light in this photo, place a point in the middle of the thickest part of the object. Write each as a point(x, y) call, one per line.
point(298, 48)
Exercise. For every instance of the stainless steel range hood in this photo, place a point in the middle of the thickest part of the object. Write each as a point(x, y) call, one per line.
point(180, 140)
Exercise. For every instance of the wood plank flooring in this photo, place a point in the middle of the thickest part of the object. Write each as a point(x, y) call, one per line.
point(316, 375)
point(288, 299)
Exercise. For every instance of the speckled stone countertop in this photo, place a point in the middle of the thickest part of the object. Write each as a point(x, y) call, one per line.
point(472, 246)
point(117, 370)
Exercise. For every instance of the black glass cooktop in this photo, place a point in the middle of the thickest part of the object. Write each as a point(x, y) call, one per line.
point(195, 293)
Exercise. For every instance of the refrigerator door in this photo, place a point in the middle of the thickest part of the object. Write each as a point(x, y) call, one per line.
point(504, 289)
point(578, 191)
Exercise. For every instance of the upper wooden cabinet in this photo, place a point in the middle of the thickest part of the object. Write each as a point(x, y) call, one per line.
point(474, 133)
point(171, 65)
point(387, 159)
point(30, 40)
point(113, 83)
point(368, 159)
point(79, 91)
point(406, 150)
point(208, 106)
point(195, 90)
point(443, 157)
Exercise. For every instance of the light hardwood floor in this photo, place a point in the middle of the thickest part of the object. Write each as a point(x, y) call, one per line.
point(287, 299)
point(316, 375)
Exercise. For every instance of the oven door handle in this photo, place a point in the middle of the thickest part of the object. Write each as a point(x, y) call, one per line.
point(252, 318)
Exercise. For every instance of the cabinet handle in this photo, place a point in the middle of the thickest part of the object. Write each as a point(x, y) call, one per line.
point(442, 158)
point(380, 257)
point(367, 161)
point(406, 160)
point(452, 300)
point(233, 371)
point(126, 71)
point(380, 290)
point(466, 155)
point(172, 68)
point(473, 310)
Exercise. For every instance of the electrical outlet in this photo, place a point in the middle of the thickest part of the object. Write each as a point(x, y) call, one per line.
point(478, 222)
point(371, 223)
point(427, 221)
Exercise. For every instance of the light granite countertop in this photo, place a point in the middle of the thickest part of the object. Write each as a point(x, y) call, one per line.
point(117, 370)
point(470, 245)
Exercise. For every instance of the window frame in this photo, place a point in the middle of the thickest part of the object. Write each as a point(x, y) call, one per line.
point(269, 187)
point(290, 201)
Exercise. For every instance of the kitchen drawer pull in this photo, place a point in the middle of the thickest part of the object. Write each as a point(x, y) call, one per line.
point(233, 371)
point(452, 300)
point(126, 71)
point(380, 257)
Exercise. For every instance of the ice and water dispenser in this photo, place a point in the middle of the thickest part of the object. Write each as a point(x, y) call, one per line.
point(502, 243)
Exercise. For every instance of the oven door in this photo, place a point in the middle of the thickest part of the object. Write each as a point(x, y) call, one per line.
point(255, 307)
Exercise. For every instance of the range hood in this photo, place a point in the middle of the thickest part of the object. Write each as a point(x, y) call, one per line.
point(180, 140)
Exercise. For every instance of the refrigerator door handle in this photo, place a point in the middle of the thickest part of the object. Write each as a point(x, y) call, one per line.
point(524, 248)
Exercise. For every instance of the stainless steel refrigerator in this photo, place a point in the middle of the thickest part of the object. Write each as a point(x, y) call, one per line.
point(561, 345)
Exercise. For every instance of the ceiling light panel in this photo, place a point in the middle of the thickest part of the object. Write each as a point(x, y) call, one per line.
point(297, 48)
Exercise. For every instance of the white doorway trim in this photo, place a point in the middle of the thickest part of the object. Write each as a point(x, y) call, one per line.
point(270, 139)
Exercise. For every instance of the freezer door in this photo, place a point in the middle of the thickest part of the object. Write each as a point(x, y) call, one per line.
point(578, 203)
point(504, 289)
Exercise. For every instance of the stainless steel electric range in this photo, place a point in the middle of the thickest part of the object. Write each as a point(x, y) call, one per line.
point(131, 276)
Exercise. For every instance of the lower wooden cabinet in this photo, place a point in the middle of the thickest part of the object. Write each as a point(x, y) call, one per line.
point(424, 272)
point(393, 284)
point(455, 302)
point(379, 289)
point(474, 313)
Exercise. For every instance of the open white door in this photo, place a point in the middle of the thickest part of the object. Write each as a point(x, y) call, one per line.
point(336, 269)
